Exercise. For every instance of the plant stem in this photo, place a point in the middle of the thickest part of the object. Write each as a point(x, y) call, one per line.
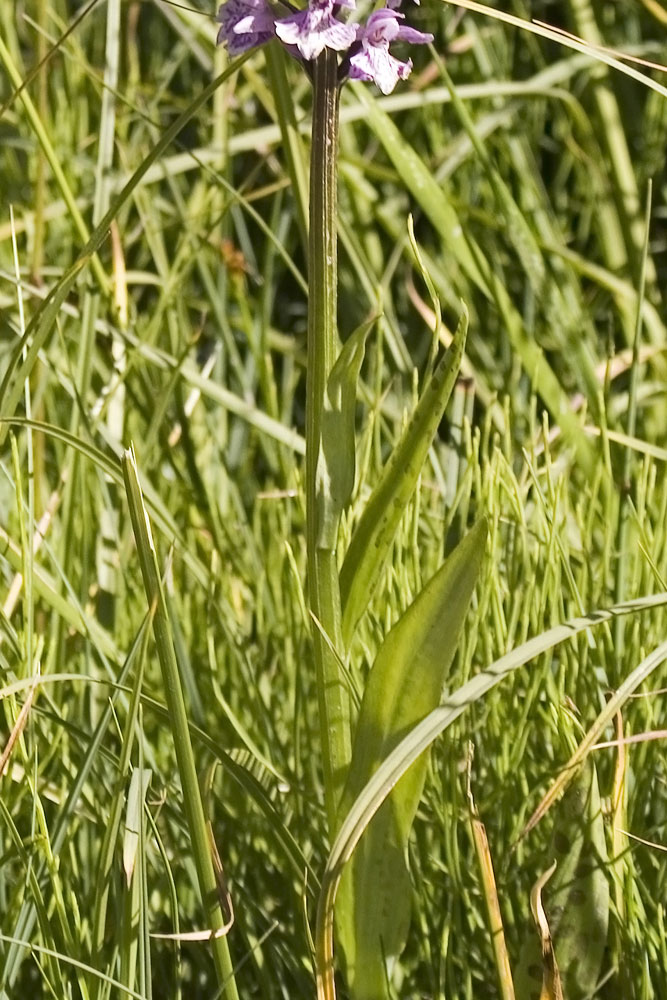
point(192, 801)
point(323, 587)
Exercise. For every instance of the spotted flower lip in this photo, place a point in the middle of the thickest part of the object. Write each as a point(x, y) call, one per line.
point(244, 24)
point(371, 59)
point(316, 28)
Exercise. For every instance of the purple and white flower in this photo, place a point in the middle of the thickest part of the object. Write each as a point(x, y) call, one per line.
point(371, 59)
point(306, 33)
point(245, 24)
point(316, 28)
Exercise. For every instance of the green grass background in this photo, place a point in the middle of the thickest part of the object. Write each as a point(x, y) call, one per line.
point(186, 335)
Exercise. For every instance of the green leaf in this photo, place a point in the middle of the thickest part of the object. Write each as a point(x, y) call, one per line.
point(405, 684)
point(576, 900)
point(337, 452)
point(374, 534)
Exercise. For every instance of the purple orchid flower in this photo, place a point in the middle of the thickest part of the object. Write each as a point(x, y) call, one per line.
point(315, 28)
point(245, 24)
point(372, 60)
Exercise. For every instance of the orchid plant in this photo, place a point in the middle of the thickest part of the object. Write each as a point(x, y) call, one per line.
point(334, 44)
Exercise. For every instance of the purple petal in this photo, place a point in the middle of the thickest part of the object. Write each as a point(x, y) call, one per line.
point(315, 29)
point(244, 24)
point(375, 63)
point(381, 27)
point(414, 37)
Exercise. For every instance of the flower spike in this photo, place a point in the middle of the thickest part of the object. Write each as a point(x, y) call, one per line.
point(245, 24)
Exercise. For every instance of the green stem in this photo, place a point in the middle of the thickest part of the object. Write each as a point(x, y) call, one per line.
point(192, 801)
point(323, 587)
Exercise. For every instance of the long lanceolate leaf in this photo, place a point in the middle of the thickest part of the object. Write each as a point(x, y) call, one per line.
point(415, 743)
point(336, 463)
point(374, 535)
point(404, 685)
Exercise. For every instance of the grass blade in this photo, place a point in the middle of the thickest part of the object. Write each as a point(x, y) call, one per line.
point(490, 894)
point(178, 717)
point(614, 704)
point(39, 327)
point(421, 183)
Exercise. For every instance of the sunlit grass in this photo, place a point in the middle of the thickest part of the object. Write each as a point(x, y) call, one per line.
point(185, 335)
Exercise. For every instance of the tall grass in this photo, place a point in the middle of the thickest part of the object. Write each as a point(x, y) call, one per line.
point(525, 165)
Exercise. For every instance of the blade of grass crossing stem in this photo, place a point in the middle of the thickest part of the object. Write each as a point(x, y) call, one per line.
point(418, 740)
point(87, 970)
point(404, 685)
point(194, 810)
point(372, 539)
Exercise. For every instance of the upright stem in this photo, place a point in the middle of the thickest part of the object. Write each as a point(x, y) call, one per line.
point(193, 806)
point(323, 588)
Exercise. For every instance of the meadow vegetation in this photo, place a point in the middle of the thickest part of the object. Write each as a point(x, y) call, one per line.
point(534, 177)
